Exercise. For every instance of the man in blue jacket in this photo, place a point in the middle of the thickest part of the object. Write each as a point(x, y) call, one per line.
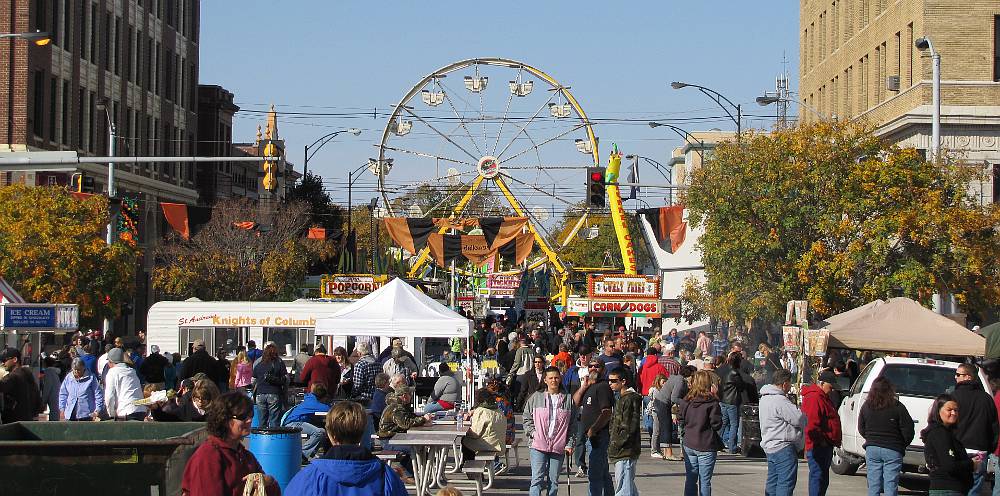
point(317, 400)
point(347, 469)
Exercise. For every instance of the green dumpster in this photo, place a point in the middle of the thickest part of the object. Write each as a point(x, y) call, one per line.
point(57, 458)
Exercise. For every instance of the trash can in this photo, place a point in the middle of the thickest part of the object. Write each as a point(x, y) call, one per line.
point(279, 451)
point(54, 458)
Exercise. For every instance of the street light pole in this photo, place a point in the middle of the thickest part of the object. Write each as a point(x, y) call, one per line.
point(683, 134)
point(718, 98)
point(924, 43)
point(325, 139)
point(112, 191)
point(767, 100)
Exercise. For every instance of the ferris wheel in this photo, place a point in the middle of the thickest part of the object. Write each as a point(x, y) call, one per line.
point(496, 137)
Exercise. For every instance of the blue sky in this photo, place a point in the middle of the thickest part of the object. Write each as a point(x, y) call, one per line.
point(618, 57)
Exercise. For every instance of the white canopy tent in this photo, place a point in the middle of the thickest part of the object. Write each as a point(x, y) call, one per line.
point(395, 310)
point(398, 310)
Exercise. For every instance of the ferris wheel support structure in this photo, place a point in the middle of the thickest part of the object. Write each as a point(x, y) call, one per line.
point(490, 163)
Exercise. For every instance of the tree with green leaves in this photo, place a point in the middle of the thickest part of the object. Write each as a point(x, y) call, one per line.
point(244, 253)
point(603, 250)
point(831, 213)
point(53, 250)
point(324, 213)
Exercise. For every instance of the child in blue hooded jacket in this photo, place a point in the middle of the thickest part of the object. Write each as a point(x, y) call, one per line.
point(347, 468)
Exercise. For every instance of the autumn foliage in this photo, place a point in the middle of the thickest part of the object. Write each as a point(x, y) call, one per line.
point(244, 253)
point(53, 250)
point(830, 213)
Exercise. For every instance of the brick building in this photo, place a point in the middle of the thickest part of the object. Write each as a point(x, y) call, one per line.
point(858, 60)
point(137, 57)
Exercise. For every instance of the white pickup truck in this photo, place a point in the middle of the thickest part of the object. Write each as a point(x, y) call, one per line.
point(917, 381)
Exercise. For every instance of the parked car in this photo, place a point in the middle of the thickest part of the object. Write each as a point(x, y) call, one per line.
point(917, 381)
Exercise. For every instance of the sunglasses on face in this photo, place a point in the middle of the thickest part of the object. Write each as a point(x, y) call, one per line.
point(243, 418)
point(595, 365)
point(614, 381)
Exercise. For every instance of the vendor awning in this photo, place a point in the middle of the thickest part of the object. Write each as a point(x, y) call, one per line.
point(902, 325)
point(8, 294)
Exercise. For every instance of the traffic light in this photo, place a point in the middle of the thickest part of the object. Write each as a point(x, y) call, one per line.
point(596, 187)
point(270, 168)
point(83, 184)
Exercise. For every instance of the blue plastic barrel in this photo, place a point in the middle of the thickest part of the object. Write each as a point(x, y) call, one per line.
point(279, 451)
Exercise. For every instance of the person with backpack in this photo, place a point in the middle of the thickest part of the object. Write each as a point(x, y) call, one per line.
point(269, 386)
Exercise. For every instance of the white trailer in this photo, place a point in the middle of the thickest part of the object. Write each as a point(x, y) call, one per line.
point(174, 325)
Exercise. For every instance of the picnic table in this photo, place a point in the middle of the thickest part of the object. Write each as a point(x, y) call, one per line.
point(430, 447)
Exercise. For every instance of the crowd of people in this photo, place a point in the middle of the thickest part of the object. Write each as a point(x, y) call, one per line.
point(584, 397)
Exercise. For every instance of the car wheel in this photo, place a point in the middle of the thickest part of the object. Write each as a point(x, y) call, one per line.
point(842, 464)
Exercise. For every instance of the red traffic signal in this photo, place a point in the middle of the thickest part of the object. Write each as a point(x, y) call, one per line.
point(596, 187)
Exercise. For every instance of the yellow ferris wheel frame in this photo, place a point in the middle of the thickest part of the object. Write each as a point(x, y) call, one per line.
point(551, 256)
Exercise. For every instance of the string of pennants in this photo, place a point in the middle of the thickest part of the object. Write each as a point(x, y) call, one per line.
point(176, 214)
point(502, 236)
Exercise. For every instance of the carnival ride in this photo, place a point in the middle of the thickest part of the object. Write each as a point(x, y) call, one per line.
point(520, 154)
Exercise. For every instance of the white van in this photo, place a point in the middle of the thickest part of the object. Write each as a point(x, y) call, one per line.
point(917, 381)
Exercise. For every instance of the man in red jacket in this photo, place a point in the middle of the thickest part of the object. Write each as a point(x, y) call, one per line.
point(322, 368)
point(822, 431)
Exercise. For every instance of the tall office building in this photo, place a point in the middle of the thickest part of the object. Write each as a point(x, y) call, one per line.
point(133, 63)
point(858, 60)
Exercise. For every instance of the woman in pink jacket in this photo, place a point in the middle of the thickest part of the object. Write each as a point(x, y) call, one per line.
point(550, 427)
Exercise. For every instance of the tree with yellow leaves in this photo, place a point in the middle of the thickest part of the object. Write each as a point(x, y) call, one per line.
point(53, 250)
point(830, 213)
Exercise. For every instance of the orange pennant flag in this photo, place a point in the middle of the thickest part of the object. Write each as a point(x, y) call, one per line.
point(177, 217)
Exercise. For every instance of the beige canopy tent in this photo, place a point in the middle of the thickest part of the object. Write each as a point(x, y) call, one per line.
point(903, 325)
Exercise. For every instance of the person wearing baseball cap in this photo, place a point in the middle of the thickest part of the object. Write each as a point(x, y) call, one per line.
point(151, 368)
point(122, 388)
point(823, 432)
point(23, 400)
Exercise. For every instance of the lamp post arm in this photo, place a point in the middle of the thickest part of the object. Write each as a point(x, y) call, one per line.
point(325, 139)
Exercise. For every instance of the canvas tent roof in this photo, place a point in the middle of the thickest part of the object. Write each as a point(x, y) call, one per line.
point(992, 335)
point(395, 309)
point(902, 324)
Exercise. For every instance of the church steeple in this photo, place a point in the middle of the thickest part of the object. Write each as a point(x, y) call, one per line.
point(272, 124)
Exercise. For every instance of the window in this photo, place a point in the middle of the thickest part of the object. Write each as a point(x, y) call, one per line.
point(94, 27)
point(65, 114)
point(85, 34)
point(38, 104)
point(285, 339)
point(56, 35)
point(115, 47)
point(108, 48)
point(91, 141)
point(919, 380)
point(67, 19)
point(996, 47)
point(53, 105)
point(41, 15)
point(909, 57)
point(81, 119)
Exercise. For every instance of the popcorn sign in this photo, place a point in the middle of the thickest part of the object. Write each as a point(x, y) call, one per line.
point(347, 286)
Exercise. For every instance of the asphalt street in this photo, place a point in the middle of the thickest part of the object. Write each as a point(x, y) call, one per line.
point(734, 474)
